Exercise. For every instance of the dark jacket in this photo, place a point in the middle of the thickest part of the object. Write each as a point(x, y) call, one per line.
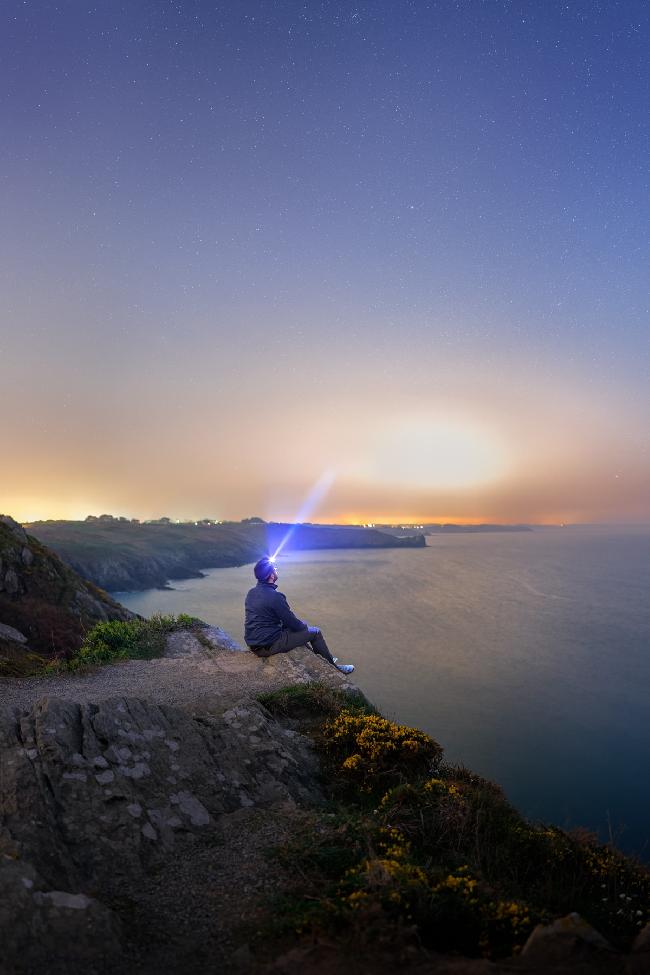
point(267, 615)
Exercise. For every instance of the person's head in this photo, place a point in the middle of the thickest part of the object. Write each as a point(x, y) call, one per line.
point(265, 570)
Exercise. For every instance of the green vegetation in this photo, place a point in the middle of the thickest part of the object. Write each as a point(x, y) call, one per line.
point(46, 601)
point(412, 850)
point(312, 703)
point(15, 661)
point(123, 640)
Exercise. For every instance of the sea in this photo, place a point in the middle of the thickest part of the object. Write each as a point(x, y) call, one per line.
point(526, 655)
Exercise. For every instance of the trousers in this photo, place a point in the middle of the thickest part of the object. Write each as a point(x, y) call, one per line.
point(310, 637)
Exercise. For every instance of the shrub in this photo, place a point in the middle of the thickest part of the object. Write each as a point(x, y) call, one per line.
point(309, 703)
point(370, 753)
point(15, 661)
point(366, 882)
point(440, 858)
point(388, 877)
point(50, 629)
point(469, 821)
point(124, 639)
point(572, 871)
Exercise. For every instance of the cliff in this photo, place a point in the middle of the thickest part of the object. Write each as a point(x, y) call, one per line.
point(123, 556)
point(45, 607)
point(114, 778)
point(160, 816)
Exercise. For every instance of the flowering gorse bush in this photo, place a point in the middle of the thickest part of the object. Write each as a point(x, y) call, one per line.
point(369, 751)
point(431, 854)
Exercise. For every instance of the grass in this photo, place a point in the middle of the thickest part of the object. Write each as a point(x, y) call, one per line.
point(412, 850)
point(312, 703)
point(116, 640)
point(15, 661)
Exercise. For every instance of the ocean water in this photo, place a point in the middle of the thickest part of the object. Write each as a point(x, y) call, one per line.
point(527, 656)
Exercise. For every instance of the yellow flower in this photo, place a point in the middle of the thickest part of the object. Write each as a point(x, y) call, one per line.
point(352, 762)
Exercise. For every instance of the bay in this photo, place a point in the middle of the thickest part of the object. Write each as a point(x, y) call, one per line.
point(526, 655)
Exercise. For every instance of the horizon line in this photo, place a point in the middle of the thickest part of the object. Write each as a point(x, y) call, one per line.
point(414, 523)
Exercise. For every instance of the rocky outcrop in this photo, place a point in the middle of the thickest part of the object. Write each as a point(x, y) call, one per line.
point(45, 930)
point(45, 607)
point(12, 635)
point(94, 796)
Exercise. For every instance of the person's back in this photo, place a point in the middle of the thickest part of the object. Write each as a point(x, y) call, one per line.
point(270, 627)
point(267, 614)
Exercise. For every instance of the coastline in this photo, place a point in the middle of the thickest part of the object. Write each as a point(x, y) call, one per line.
point(125, 557)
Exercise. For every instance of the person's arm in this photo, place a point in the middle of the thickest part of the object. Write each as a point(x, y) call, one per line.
point(284, 612)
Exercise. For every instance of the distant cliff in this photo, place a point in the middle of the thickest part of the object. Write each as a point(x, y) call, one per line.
point(45, 607)
point(453, 529)
point(126, 556)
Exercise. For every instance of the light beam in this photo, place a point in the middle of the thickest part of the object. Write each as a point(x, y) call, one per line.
point(309, 505)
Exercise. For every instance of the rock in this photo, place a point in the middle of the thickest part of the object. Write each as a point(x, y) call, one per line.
point(14, 527)
point(322, 956)
point(568, 939)
point(11, 583)
point(95, 796)
point(82, 782)
point(27, 556)
point(642, 942)
point(53, 931)
point(83, 604)
point(221, 639)
point(242, 958)
point(184, 643)
point(302, 666)
point(9, 633)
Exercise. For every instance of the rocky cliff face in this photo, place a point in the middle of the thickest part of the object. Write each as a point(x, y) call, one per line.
point(123, 556)
point(45, 607)
point(95, 796)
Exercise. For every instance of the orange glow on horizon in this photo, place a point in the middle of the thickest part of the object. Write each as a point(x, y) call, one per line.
point(70, 513)
point(409, 520)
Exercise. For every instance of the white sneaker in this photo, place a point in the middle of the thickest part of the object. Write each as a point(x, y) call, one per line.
point(345, 668)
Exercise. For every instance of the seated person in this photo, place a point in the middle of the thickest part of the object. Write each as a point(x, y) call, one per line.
point(272, 628)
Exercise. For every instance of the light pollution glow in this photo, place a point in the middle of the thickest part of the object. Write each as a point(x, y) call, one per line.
point(563, 461)
point(242, 245)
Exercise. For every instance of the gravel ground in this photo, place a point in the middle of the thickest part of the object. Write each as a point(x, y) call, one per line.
point(196, 914)
point(196, 675)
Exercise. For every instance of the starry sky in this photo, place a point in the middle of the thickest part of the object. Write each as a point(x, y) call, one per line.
point(398, 244)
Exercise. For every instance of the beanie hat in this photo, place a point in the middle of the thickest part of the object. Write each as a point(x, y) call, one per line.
point(263, 569)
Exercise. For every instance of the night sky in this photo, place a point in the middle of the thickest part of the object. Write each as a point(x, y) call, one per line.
point(244, 244)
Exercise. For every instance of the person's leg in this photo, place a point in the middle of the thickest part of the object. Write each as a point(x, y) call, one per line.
point(318, 645)
point(289, 640)
point(311, 637)
point(284, 643)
